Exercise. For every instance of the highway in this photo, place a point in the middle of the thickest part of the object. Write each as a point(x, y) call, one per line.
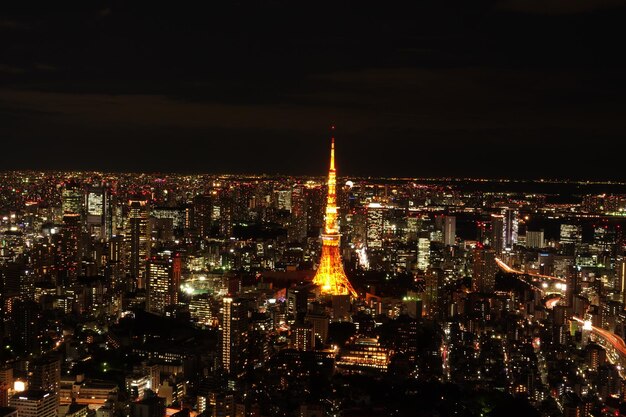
point(615, 341)
point(507, 268)
point(552, 302)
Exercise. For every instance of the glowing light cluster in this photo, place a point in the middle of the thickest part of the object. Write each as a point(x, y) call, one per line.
point(330, 276)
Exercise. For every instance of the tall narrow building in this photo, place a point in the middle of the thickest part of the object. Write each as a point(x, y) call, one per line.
point(449, 230)
point(330, 276)
point(497, 233)
point(139, 240)
point(68, 251)
point(485, 269)
point(234, 335)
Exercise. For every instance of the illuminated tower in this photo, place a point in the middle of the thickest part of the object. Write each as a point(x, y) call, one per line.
point(330, 276)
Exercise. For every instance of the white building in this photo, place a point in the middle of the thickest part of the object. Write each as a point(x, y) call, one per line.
point(35, 403)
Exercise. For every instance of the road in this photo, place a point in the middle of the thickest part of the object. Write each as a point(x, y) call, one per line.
point(507, 268)
point(615, 341)
point(552, 302)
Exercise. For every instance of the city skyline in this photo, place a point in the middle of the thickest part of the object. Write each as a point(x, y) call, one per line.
point(273, 208)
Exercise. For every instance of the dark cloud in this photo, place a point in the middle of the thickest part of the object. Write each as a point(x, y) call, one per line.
point(559, 6)
point(433, 87)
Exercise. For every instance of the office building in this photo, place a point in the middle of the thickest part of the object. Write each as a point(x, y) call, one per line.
point(449, 231)
point(163, 282)
point(35, 403)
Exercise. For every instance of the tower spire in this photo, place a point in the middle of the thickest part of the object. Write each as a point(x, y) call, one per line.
point(332, 154)
point(330, 276)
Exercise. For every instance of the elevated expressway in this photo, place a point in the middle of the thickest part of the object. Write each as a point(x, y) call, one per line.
point(613, 344)
point(551, 288)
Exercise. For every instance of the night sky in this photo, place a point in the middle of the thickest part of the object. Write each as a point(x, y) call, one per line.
point(498, 88)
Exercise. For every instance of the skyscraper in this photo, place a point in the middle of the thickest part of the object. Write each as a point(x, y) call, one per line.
point(202, 211)
point(497, 232)
point(423, 253)
point(510, 227)
point(25, 325)
point(374, 226)
point(449, 231)
point(163, 282)
point(72, 198)
point(69, 249)
point(535, 239)
point(99, 209)
point(485, 268)
point(226, 333)
point(234, 335)
point(570, 234)
point(46, 374)
point(330, 276)
point(138, 236)
point(303, 336)
point(433, 281)
point(314, 195)
point(298, 222)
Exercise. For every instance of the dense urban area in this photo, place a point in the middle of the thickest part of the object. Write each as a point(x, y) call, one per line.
point(147, 295)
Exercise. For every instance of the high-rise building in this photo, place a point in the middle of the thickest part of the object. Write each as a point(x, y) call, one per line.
point(180, 217)
point(72, 198)
point(35, 403)
point(297, 299)
point(595, 356)
point(163, 282)
point(496, 238)
point(99, 210)
point(234, 335)
point(433, 282)
point(25, 326)
point(283, 200)
point(570, 233)
point(46, 374)
point(511, 227)
point(138, 236)
point(330, 276)
point(303, 336)
point(620, 268)
point(223, 214)
point(202, 213)
point(200, 309)
point(485, 269)
point(298, 224)
point(314, 195)
point(409, 340)
point(535, 239)
point(423, 253)
point(69, 250)
point(449, 230)
point(319, 321)
point(374, 226)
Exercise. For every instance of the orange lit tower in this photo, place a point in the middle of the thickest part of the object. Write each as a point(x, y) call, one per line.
point(330, 276)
